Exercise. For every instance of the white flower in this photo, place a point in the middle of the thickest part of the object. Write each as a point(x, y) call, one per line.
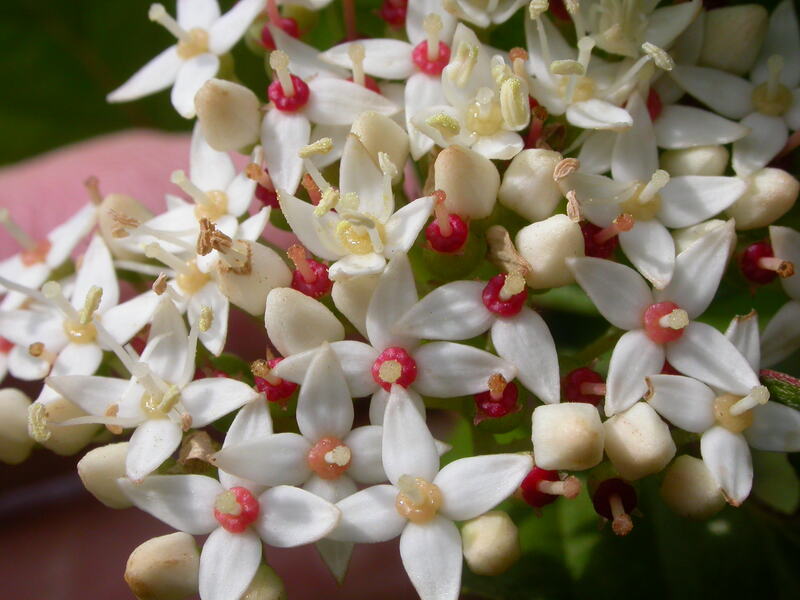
point(484, 14)
point(160, 400)
point(58, 335)
point(393, 356)
point(642, 201)
point(479, 113)
point(660, 323)
point(422, 501)
point(32, 266)
point(782, 334)
point(365, 230)
point(459, 310)
point(768, 104)
point(203, 36)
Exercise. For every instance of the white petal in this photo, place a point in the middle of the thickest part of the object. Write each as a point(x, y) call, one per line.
point(167, 346)
point(786, 244)
point(415, 15)
point(369, 516)
point(704, 353)
point(66, 236)
point(559, 48)
point(379, 400)
point(782, 334)
point(293, 517)
point(384, 58)
point(24, 327)
point(26, 367)
point(252, 227)
point(365, 443)
point(619, 292)
point(229, 29)
point(360, 175)
point(453, 311)
point(97, 269)
point(408, 446)
point(213, 397)
point(472, 486)
point(635, 155)
point(92, 394)
point(78, 359)
point(339, 102)
point(209, 169)
point(331, 490)
point(210, 296)
point(743, 334)
point(404, 226)
point(635, 357)
point(651, 249)
point(251, 423)
point(766, 139)
point(151, 444)
point(278, 459)
point(525, 341)
point(728, 458)
point(395, 293)
point(191, 76)
point(683, 401)
point(595, 152)
point(431, 554)
point(124, 320)
point(782, 38)
point(324, 407)
point(197, 13)
point(156, 75)
point(185, 502)
point(775, 427)
point(480, 76)
point(447, 370)
point(503, 145)
point(421, 91)
point(686, 126)
point(282, 137)
point(228, 563)
point(598, 114)
point(357, 265)
point(726, 94)
point(668, 22)
point(304, 60)
point(690, 199)
point(311, 230)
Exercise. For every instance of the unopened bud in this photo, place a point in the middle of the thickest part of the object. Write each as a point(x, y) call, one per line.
point(229, 115)
point(380, 133)
point(690, 489)
point(567, 436)
point(296, 322)
point(99, 470)
point(770, 194)
point(733, 36)
point(546, 246)
point(164, 568)
point(266, 585)
point(699, 160)
point(469, 180)
point(528, 186)
point(638, 442)
point(15, 444)
point(249, 290)
point(491, 543)
point(684, 238)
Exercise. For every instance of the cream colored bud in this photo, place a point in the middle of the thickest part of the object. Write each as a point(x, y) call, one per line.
point(66, 440)
point(266, 585)
point(164, 568)
point(249, 290)
point(107, 223)
point(690, 489)
point(733, 36)
point(700, 160)
point(491, 543)
point(296, 322)
point(469, 180)
point(379, 133)
point(229, 115)
point(528, 186)
point(770, 194)
point(15, 444)
point(99, 470)
point(687, 236)
point(351, 297)
point(567, 436)
point(546, 245)
point(638, 442)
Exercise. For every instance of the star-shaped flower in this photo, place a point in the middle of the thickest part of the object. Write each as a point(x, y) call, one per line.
point(203, 36)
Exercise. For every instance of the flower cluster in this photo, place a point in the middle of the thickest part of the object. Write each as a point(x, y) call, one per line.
point(450, 201)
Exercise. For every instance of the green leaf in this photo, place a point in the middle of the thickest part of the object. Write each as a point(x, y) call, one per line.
point(782, 388)
point(775, 483)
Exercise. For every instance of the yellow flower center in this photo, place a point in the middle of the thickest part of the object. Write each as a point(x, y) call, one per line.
point(79, 333)
point(195, 43)
point(419, 501)
point(722, 413)
point(192, 279)
point(216, 207)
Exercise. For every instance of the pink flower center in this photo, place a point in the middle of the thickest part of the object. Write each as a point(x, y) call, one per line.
point(329, 458)
point(541, 487)
point(594, 243)
point(664, 322)
point(273, 387)
point(503, 296)
point(236, 509)
point(432, 67)
point(394, 365)
point(394, 12)
point(615, 499)
point(309, 277)
point(584, 385)
point(760, 265)
point(291, 103)
point(498, 401)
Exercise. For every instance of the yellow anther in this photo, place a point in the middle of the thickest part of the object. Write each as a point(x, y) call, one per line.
point(660, 57)
point(38, 427)
point(226, 504)
point(567, 67)
point(514, 104)
point(321, 146)
point(91, 304)
point(329, 200)
point(206, 319)
point(463, 63)
point(537, 7)
point(445, 124)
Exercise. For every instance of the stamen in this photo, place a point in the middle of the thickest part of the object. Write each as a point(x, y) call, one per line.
point(180, 179)
point(389, 171)
point(774, 68)
point(297, 254)
point(622, 524)
point(15, 231)
point(279, 61)
point(567, 67)
point(585, 47)
point(441, 214)
point(518, 57)
point(112, 412)
point(623, 222)
point(783, 268)
point(535, 10)
point(30, 292)
point(260, 368)
point(339, 456)
point(659, 179)
point(659, 56)
point(574, 9)
point(258, 174)
point(127, 355)
point(38, 423)
point(445, 124)
point(565, 168)
point(90, 304)
point(273, 14)
point(40, 351)
point(145, 377)
point(160, 284)
point(589, 388)
point(321, 146)
point(432, 24)
point(312, 189)
point(758, 396)
point(158, 14)
point(569, 487)
point(356, 52)
point(92, 185)
point(154, 250)
point(677, 319)
point(573, 207)
point(52, 291)
point(463, 63)
point(328, 201)
point(497, 385)
point(514, 284)
point(514, 104)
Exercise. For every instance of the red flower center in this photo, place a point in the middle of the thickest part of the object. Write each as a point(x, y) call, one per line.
point(432, 67)
point(274, 388)
point(287, 24)
point(329, 458)
point(236, 509)
point(584, 385)
point(291, 103)
point(664, 322)
point(394, 365)
point(497, 299)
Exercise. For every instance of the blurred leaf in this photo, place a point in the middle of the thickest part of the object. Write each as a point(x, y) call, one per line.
point(775, 481)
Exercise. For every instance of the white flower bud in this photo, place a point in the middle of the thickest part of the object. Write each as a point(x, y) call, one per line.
point(66, 440)
point(733, 37)
point(248, 290)
point(469, 180)
point(638, 442)
point(546, 245)
point(99, 471)
point(528, 186)
point(567, 436)
point(700, 160)
point(687, 236)
point(266, 585)
point(15, 444)
point(296, 322)
point(690, 489)
point(229, 115)
point(379, 133)
point(107, 224)
point(164, 568)
point(351, 296)
point(771, 193)
point(491, 543)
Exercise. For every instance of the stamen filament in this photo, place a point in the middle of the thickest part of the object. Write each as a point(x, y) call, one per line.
point(273, 15)
point(153, 250)
point(432, 24)
point(127, 356)
point(144, 376)
point(497, 385)
point(622, 524)
point(297, 254)
point(623, 222)
point(518, 57)
point(574, 9)
point(30, 292)
point(312, 189)
point(589, 388)
point(659, 179)
point(758, 396)
point(774, 68)
point(356, 52)
point(569, 487)
point(180, 179)
point(15, 231)
point(258, 174)
point(535, 10)
point(159, 14)
point(441, 214)
point(279, 61)
point(92, 185)
point(783, 268)
point(52, 291)
point(315, 174)
point(389, 171)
